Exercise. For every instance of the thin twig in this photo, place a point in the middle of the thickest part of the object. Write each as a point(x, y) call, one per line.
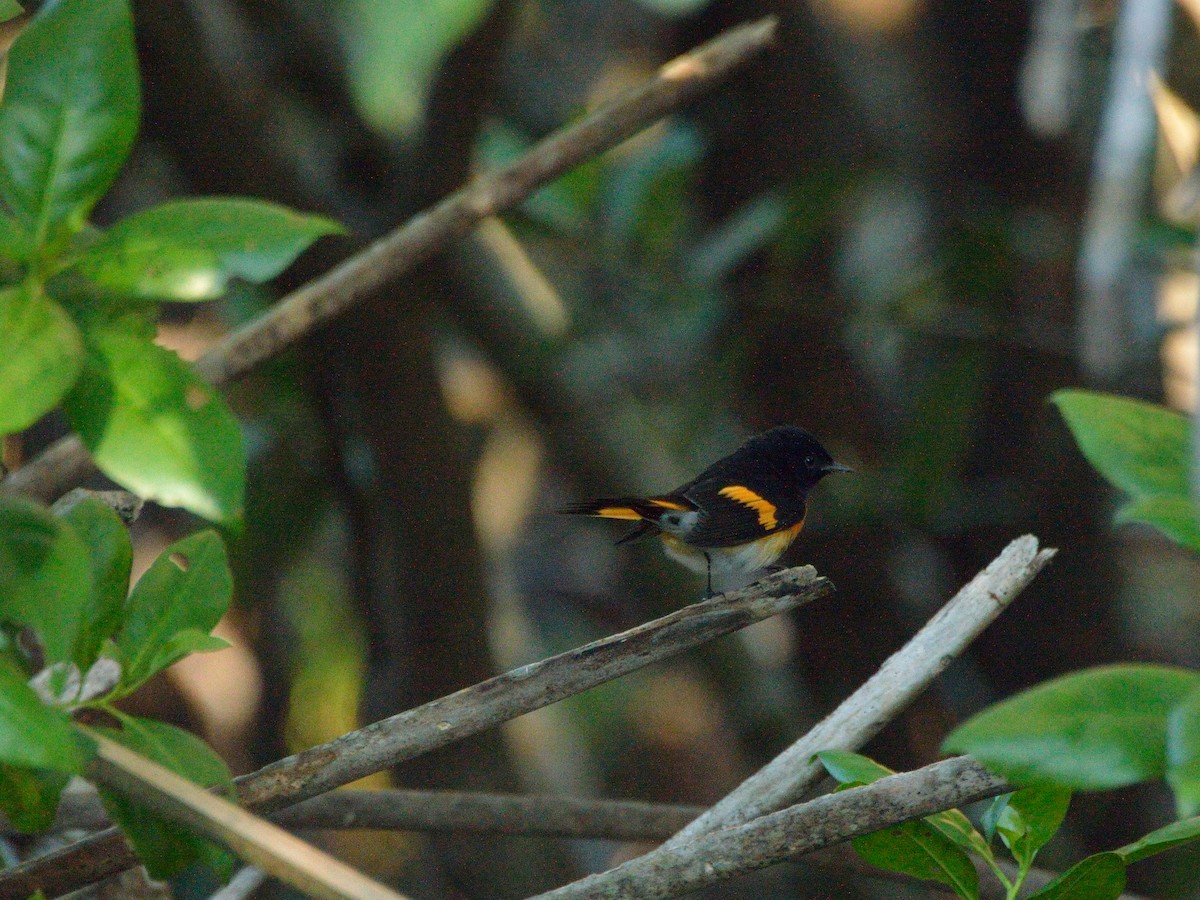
point(799, 829)
point(440, 722)
point(452, 811)
point(255, 840)
point(890, 690)
point(677, 83)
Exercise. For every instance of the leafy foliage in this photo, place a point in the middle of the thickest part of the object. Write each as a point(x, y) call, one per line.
point(67, 122)
point(1097, 729)
point(938, 847)
point(166, 848)
point(64, 582)
point(1143, 450)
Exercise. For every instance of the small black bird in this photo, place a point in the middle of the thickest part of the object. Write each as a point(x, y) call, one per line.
point(739, 515)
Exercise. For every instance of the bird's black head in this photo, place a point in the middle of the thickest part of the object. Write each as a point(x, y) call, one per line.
point(797, 454)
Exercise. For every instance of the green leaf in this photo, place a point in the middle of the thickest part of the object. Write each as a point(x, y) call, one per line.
point(1162, 839)
point(1139, 447)
point(189, 249)
point(1173, 515)
point(1030, 818)
point(1099, 877)
point(854, 768)
point(29, 797)
point(70, 112)
point(174, 606)
point(111, 553)
point(15, 242)
point(916, 849)
point(1183, 754)
point(33, 735)
point(157, 429)
point(1091, 730)
point(40, 356)
point(991, 815)
point(850, 768)
point(397, 47)
point(167, 848)
point(45, 576)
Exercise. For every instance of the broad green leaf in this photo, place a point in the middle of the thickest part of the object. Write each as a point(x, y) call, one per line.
point(1030, 818)
point(107, 541)
point(396, 46)
point(70, 112)
point(1162, 839)
point(155, 428)
point(854, 768)
point(1183, 754)
point(10, 9)
point(1139, 447)
point(921, 851)
point(190, 249)
point(33, 735)
point(1173, 515)
point(174, 606)
point(1099, 877)
point(40, 356)
point(167, 848)
point(1091, 730)
point(29, 797)
point(45, 576)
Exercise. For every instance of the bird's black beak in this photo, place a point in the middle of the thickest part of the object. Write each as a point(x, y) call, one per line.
point(837, 467)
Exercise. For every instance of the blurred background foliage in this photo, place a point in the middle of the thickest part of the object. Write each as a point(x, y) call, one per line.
point(880, 231)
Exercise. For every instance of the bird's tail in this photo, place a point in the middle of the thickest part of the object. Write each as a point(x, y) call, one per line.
point(608, 508)
point(626, 508)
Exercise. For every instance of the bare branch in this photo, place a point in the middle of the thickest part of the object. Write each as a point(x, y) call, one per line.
point(799, 829)
point(440, 722)
point(543, 816)
point(897, 683)
point(676, 84)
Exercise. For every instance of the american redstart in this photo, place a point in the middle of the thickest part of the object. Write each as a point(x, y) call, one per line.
point(739, 515)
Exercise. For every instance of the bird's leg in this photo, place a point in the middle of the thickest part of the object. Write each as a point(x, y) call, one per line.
point(708, 562)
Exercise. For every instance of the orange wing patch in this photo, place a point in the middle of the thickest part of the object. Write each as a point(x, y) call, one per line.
point(618, 512)
point(765, 508)
point(668, 504)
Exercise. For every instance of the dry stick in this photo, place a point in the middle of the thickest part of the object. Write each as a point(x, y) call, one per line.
point(521, 814)
point(773, 838)
point(470, 812)
point(897, 683)
point(680, 81)
point(440, 722)
point(256, 840)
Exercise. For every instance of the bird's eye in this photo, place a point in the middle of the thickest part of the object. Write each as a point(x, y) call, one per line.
point(810, 461)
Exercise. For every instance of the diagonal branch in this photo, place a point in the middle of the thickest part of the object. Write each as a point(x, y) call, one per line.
point(864, 714)
point(677, 83)
point(440, 722)
point(770, 839)
point(882, 697)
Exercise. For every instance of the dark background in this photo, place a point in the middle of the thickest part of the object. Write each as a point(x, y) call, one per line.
point(874, 232)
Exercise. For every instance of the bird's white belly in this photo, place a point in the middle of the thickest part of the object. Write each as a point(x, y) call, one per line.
point(732, 567)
